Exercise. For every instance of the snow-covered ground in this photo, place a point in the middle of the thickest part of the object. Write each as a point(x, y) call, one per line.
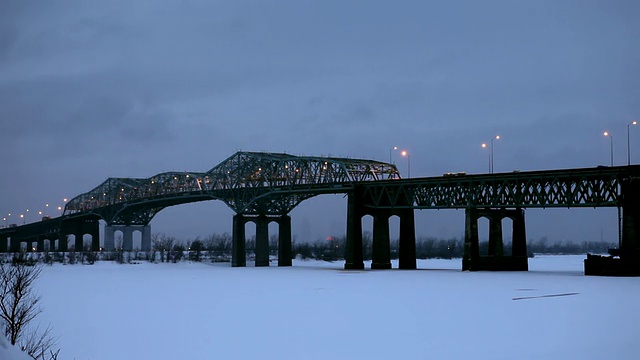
point(316, 310)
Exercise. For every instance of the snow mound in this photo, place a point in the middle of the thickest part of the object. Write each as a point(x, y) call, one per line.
point(10, 352)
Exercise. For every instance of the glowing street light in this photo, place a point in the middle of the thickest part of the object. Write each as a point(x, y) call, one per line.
point(405, 153)
point(5, 221)
point(22, 217)
point(484, 145)
point(606, 133)
point(390, 150)
point(628, 142)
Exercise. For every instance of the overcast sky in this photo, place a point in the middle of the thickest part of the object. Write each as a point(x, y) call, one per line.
point(91, 90)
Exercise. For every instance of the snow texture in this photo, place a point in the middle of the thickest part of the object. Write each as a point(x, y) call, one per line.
point(316, 310)
point(10, 352)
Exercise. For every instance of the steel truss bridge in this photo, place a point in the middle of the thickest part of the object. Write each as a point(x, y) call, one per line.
point(265, 187)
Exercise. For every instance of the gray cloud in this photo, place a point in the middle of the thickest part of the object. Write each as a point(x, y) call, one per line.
point(90, 90)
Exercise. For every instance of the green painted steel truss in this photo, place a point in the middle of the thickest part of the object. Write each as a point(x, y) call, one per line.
point(248, 182)
point(592, 187)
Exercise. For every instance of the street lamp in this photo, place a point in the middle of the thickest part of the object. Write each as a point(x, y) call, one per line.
point(60, 209)
point(484, 146)
point(628, 142)
point(390, 150)
point(5, 221)
point(606, 133)
point(405, 153)
point(22, 217)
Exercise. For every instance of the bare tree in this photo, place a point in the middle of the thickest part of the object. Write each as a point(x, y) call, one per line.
point(19, 305)
point(18, 302)
point(39, 345)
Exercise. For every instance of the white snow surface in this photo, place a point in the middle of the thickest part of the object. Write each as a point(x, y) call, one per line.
point(316, 310)
point(10, 352)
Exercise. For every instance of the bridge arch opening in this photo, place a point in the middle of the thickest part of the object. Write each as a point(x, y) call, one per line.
point(86, 242)
point(71, 242)
point(46, 245)
point(394, 236)
point(273, 232)
point(118, 239)
point(136, 240)
point(483, 235)
point(250, 228)
point(367, 237)
point(507, 236)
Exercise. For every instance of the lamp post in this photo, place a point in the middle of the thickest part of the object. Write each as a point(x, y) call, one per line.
point(497, 137)
point(606, 133)
point(22, 217)
point(406, 153)
point(628, 142)
point(390, 150)
point(5, 221)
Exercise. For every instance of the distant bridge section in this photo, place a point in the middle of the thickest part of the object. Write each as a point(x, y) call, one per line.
point(590, 187)
point(248, 182)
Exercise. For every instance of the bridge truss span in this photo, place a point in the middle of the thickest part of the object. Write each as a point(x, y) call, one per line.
point(248, 182)
point(592, 187)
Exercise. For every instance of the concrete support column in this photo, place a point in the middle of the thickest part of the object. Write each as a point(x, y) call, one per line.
point(109, 238)
point(353, 255)
point(127, 238)
point(407, 245)
point(63, 243)
point(519, 237)
point(238, 255)
point(381, 252)
point(630, 246)
point(262, 241)
point(15, 244)
point(4, 246)
point(79, 242)
point(471, 243)
point(495, 235)
point(40, 246)
point(145, 243)
point(284, 241)
point(95, 242)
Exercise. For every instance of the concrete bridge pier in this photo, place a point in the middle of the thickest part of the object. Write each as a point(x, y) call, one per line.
point(407, 245)
point(4, 246)
point(63, 241)
point(353, 255)
point(381, 249)
point(40, 246)
point(145, 240)
point(127, 238)
point(15, 244)
point(262, 240)
point(284, 240)
point(495, 260)
point(238, 252)
point(109, 238)
point(79, 242)
point(626, 260)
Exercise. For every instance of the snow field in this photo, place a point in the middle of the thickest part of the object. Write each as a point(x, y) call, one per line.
point(316, 310)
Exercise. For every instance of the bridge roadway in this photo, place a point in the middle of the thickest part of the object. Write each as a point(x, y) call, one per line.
point(258, 195)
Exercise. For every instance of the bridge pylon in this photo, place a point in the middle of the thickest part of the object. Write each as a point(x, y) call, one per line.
point(495, 260)
point(238, 246)
point(381, 249)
